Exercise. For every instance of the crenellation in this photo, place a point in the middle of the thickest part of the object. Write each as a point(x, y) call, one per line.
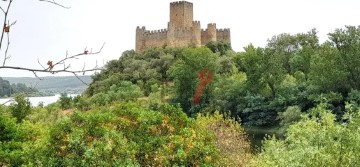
point(180, 3)
point(182, 30)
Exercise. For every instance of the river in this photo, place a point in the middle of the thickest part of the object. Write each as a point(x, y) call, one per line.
point(36, 100)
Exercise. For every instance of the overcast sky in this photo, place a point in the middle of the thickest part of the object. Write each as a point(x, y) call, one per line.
point(45, 32)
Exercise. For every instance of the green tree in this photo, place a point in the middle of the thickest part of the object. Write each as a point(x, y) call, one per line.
point(65, 101)
point(347, 42)
point(21, 107)
point(263, 69)
point(220, 47)
point(327, 73)
point(185, 73)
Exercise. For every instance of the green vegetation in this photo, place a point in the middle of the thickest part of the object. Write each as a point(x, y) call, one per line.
point(7, 89)
point(139, 110)
point(53, 85)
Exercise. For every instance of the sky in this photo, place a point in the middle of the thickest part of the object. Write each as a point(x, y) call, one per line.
point(46, 32)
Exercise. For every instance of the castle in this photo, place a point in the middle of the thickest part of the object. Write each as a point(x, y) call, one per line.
point(182, 31)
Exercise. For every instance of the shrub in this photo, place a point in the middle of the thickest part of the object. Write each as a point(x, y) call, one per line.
point(65, 101)
point(21, 107)
point(10, 142)
point(291, 115)
point(127, 134)
point(230, 138)
point(317, 140)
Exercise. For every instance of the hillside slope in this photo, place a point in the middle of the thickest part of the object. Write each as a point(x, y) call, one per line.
point(69, 84)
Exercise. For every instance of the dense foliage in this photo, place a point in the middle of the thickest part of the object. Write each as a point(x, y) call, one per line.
point(140, 110)
point(317, 140)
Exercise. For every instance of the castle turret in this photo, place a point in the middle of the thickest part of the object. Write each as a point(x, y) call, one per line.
point(211, 32)
point(196, 33)
point(181, 14)
point(208, 35)
point(140, 40)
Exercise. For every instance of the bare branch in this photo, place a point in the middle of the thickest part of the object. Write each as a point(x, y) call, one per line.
point(36, 75)
point(80, 79)
point(41, 65)
point(11, 100)
point(2, 9)
point(55, 3)
point(77, 55)
point(7, 48)
point(4, 25)
point(46, 71)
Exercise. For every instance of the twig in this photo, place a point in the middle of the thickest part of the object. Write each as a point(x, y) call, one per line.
point(55, 3)
point(80, 79)
point(33, 87)
point(2, 9)
point(5, 19)
point(64, 70)
point(7, 48)
point(77, 55)
point(41, 64)
point(45, 71)
point(11, 100)
point(36, 75)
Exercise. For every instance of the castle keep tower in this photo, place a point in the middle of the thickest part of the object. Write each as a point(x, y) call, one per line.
point(182, 31)
point(181, 14)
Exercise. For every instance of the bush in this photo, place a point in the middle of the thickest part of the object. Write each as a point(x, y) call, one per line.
point(230, 138)
point(291, 115)
point(81, 103)
point(11, 138)
point(127, 134)
point(65, 101)
point(317, 140)
point(21, 108)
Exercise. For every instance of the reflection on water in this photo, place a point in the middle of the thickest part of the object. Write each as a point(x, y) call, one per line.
point(36, 100)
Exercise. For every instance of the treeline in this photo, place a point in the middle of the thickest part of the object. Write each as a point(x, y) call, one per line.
point(256, 85)
point(54, 85)
point(7, 89)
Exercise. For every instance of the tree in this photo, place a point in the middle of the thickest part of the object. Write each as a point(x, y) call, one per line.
point(347, 42)
point(286, 46)
point(20, 108)
point(220, 47)
point(186, 72)
point(263, 69)
point(327, 72)
point(65, 101)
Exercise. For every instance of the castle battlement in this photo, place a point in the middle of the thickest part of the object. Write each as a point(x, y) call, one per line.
point(180, 3)
point(152, 32)
point(223, 30)
point(182, 30)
